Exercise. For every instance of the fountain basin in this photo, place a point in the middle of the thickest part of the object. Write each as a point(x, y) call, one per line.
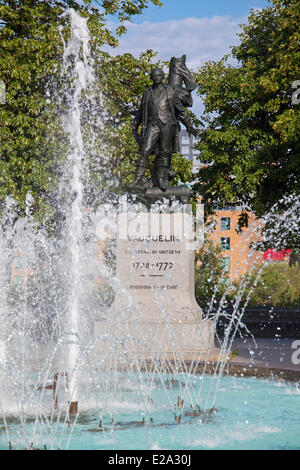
point(251, 413)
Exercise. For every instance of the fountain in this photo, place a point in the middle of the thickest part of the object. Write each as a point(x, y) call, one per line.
point(85, 363)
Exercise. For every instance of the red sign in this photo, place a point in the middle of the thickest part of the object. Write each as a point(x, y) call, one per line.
point(273, 255)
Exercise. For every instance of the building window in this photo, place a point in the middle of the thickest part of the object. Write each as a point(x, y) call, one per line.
point(185, 149)
point(18, 281)
point(225, 243)
point(225, 223)
point(226, 264)
point(19, 262)
point(185, 139)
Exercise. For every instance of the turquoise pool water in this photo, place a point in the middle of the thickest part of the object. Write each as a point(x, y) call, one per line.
point(250, 414)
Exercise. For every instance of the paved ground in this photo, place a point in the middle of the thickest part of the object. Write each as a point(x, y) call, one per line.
point(277, 353)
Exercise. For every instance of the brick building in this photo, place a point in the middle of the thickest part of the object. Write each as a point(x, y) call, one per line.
point(238, 255)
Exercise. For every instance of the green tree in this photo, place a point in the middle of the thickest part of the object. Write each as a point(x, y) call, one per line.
point(32, 144)
point(278, 285)
point(183, 168)
point(211, 276)
point(253, 121)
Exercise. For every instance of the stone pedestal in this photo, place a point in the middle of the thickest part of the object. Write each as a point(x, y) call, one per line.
point(155, 314)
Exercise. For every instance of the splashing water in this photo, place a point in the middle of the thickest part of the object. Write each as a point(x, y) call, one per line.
point(49, 298)
point(77, 52)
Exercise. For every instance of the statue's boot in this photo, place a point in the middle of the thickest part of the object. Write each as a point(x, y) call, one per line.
point(140, 179)
point(163, 177)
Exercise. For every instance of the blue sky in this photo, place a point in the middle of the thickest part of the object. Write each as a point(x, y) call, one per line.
point(202, 29)
point(178, 9)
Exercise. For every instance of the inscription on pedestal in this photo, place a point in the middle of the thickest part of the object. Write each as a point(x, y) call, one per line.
point(155, 262)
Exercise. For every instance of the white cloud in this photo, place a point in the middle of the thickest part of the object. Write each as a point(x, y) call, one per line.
point(202, 39)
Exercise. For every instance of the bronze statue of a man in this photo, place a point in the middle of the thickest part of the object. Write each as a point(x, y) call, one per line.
point(159, 113)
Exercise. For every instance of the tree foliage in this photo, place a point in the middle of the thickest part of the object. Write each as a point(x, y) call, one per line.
point(122, 79)
point(253, 122)
point(278, 286)
point(211, 277)
point(32, 143)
